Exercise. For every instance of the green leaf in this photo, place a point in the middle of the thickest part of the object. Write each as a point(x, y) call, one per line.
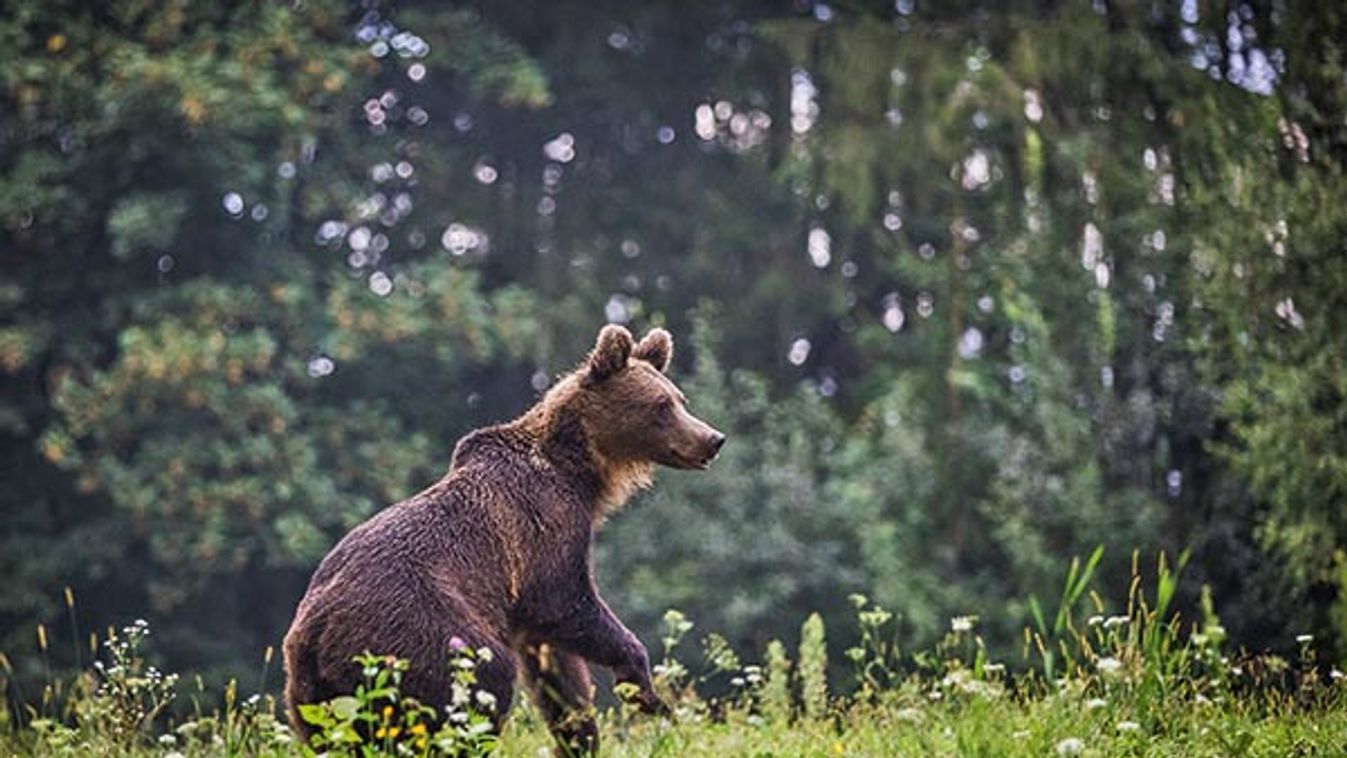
point(344, 708)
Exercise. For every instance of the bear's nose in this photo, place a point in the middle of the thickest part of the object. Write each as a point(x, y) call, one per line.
point(717, 441)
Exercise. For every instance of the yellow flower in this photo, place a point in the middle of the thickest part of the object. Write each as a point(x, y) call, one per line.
point(418, 729)
point(388, 712)
point(56, 43)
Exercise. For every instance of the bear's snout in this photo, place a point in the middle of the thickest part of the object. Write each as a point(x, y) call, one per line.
point(717, 442)
point(714, 441)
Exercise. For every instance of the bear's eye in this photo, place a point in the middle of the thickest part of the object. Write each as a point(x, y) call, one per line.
point(665, 407)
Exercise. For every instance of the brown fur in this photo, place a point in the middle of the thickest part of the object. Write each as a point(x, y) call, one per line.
point(499, 551)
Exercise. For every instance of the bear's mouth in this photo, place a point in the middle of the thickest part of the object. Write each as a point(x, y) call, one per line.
point(689, 462)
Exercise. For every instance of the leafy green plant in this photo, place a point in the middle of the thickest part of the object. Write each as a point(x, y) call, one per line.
point(876, 657)
point(672, 678)
point(776, 699)
point(377, 720)
point(1049, 637)
point(813, 668)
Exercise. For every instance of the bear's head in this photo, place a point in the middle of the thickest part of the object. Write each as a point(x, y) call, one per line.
point(633, 413)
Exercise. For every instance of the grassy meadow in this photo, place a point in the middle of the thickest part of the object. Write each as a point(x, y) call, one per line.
point(1139, 682)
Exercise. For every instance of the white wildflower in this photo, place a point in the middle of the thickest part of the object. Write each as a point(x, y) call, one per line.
point(1304, 639)
point(1108, 665)
point(909, 714)
point(459, 695)
point(1128, 726)
point(1095, 703)
point(485, 699)
point(1070, 746)
point(962, 623)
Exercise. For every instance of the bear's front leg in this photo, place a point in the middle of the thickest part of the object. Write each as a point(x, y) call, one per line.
point(592, 631)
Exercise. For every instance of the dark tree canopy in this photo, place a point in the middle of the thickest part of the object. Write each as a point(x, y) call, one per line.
point(973, 287)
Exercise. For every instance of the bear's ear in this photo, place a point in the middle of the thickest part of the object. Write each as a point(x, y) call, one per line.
point(611, 352)
point(656, 348)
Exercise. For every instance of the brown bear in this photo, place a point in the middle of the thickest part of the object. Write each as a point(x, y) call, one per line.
point(498, 553)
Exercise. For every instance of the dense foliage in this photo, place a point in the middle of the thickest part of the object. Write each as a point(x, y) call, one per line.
point(973, 288)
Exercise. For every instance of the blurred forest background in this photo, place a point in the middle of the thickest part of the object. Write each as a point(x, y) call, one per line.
point(973, 287)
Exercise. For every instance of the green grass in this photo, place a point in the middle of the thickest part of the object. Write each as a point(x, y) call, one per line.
point(1045, 726)
point(1136, 683)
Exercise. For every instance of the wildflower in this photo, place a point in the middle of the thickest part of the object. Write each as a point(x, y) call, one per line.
point(168, 740)
point(1070, 746)
point(962, 624)
point(485, 699)
point(909, 714)
point(1020, 734)
point(994, 668)
point(1128, 726)
point(1113, 621)
point(1336, 675)
point(737, 681)
point(1304, 639)
point(485, 654)
point(459, 694)
point(418, 729)
point(1108, 665)
point(388, 712)
point(1095, 703)
point(457, 644)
